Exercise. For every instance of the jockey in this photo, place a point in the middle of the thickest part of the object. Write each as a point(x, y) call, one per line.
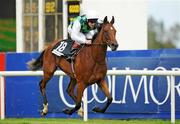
point(82, 29)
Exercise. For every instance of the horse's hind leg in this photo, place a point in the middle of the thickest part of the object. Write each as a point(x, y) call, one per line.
point(42, 84)
point(103, 85)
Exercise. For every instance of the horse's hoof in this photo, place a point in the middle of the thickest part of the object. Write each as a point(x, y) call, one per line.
point(80, 112)
point(67, 111)
point(98, 110)
point(43, 114)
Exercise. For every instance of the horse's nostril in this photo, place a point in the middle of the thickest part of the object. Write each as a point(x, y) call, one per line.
point(115, 45)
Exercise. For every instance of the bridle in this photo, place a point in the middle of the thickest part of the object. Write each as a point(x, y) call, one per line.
point(104, 43)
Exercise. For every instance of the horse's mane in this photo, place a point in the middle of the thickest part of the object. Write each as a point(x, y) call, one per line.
point(98, 27)
point(95, 35)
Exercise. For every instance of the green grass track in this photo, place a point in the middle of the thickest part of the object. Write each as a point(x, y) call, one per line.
point(80, 121)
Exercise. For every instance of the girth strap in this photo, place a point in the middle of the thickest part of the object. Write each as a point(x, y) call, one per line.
point(72, 67)
point(72, 59)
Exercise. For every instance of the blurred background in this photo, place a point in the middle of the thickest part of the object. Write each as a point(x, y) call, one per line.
point(163, 23)
point(7, 25)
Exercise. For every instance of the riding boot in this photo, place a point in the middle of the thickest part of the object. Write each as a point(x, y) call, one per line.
point(75, 47)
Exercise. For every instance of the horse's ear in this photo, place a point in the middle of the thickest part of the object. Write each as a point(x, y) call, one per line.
point(112, 21)
point(105, 19)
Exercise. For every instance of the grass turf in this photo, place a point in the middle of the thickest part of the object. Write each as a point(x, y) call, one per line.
point(80, 121)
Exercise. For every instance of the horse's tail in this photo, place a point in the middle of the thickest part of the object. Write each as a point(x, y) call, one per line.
point(36, 64)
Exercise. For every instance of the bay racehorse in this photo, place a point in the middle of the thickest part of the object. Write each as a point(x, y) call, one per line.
point(89, 67)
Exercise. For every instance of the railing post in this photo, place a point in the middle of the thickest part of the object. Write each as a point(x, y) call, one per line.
point(85, 117)
point(2, 97)
point(172, 99)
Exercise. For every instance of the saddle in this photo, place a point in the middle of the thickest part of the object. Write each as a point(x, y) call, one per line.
point(66, 48)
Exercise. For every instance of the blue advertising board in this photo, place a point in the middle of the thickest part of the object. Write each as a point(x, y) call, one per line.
point(133, 96)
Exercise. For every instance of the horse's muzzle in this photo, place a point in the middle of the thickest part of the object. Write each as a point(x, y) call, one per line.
point(114, 46)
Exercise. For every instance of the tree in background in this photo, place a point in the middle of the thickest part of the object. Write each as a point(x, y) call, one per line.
point(159, 37)
point(173, 34)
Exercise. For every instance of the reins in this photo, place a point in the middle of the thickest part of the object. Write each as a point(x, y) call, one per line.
point(98, 44)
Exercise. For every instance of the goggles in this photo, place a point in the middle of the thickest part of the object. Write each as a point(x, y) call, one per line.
point(92, 20)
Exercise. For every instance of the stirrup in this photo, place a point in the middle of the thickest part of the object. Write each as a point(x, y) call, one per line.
point(70, 58)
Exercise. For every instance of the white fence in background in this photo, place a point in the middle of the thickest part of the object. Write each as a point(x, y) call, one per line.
point(172, 75)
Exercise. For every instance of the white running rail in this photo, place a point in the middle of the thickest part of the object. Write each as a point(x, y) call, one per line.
point(172, 74)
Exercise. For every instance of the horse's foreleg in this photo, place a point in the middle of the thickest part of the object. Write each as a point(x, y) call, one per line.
point(80, 90)
point(103, 85)
point(70, 89)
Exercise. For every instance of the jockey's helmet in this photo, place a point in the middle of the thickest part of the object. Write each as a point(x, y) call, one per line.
point(92, 16)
